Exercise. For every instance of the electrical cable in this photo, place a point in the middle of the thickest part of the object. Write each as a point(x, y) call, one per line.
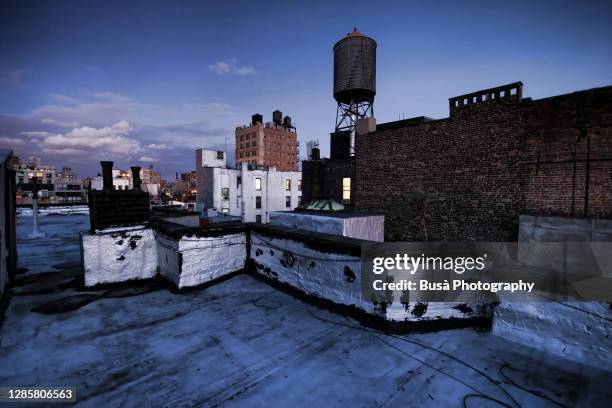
point(533, 392)
point(450, 356)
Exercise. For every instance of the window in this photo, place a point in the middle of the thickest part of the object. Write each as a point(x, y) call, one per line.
point(219, 155)
point(288, 185)
point(288, 201)
point(238, 181)
point(258, 202)
point(299, 200)
point(225, 210)
point(258, 183)
point(225, 193)
point(346, 190)
point(299, 185)
point(258, 218)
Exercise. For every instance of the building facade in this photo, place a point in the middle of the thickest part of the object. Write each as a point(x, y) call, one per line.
point(68, 187)
point(496, 157)
point(250, 192)
point(273, 144)
point(121, 181)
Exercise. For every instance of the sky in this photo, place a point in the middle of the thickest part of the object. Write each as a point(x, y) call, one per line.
point(147, 83)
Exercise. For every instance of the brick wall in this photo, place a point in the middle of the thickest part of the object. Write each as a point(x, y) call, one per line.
point(468, 177)
point(117, 208)
point(323, 178)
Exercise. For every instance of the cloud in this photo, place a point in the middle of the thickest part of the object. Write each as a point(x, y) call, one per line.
point(80, 131)
point(63, 98)
point(109, 140)
point(14, 76)
point(101, 108)
point(9, 141)
point(148, 159)
point(59, 123)
point(154, 146)
point(230, 67)
point(245, 70)
point(221, 68)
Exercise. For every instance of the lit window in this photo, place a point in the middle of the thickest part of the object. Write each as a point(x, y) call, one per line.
point(225, 210)
point(299, 185)
point(288, 185)
point(346, 190)
point(258, 183)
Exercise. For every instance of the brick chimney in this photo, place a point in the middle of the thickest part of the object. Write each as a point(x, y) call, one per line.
point(136, 181)
point(107, 175)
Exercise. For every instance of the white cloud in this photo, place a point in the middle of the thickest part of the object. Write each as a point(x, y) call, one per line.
point(154, 146)
point(147, 159)
point(9, 141)
point(245, 70)
point(221, 68)
point(54, 122)
point(230, 67)
point(34, 134)
point(112, 140)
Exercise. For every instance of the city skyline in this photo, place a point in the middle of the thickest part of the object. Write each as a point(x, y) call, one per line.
point(144, 83)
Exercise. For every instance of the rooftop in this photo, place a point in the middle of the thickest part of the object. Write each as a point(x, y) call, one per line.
point(241, 342)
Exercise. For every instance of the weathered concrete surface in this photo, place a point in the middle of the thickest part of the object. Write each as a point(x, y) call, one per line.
point(243, 343)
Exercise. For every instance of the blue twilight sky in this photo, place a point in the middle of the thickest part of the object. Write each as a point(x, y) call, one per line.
point(148, 82)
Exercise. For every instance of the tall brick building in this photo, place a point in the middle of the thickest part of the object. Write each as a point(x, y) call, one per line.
point(272, 144)
point(497, 156)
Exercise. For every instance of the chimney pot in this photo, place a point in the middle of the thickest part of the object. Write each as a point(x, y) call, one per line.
point(107, 175)
point(136, 181)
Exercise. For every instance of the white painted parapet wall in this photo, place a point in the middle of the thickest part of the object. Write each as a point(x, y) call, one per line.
point(190, 261)
point(322, 267)
point(328, 267)
point(119, 254)
point(347, 224)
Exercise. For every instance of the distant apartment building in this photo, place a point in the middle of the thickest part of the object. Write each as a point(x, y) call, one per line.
point(68, 187)
point(121, 181)
point(34, 172)
point(64, 186)
point(250, 191)
point(186, 187)
point(273, 144)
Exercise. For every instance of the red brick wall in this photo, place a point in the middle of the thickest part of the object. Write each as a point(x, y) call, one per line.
point(468, 177)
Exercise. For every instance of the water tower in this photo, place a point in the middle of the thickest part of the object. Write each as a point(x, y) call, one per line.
point(354, 81)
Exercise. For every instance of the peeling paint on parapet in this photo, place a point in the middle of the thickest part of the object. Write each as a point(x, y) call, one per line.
point(349, 274)
point(336, 278)
point(193, 260)
point(419, 310)
point(118, 255)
